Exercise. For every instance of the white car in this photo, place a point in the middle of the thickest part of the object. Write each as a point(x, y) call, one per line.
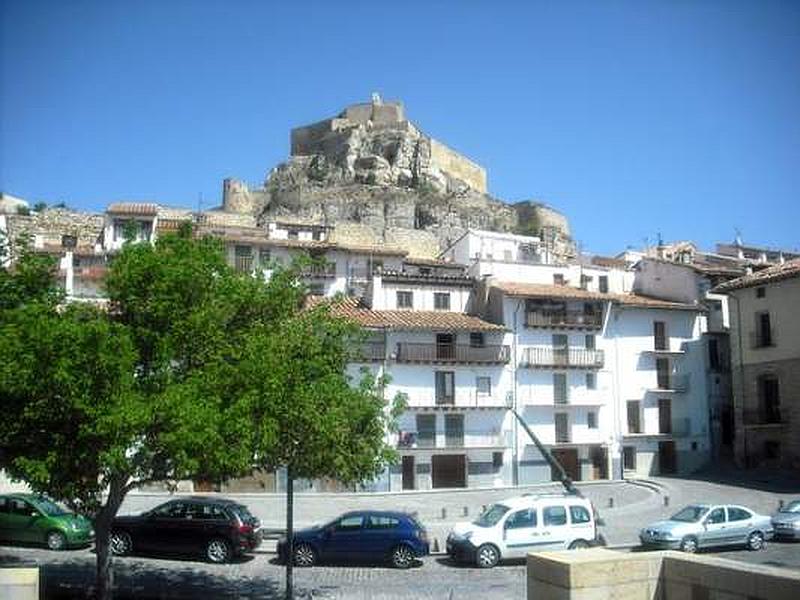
point(516, 526)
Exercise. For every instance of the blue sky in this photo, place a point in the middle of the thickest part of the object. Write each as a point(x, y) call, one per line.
point(633, 118)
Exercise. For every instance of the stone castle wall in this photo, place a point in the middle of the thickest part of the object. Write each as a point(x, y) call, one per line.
point(458, 166)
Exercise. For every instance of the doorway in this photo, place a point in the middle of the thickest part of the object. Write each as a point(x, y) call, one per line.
point(449, 471)
point(667, 459)
point(408, 472)
point(599, 458)
point(568, 458)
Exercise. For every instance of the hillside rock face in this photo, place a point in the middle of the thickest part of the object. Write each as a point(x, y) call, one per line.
point(379, 180)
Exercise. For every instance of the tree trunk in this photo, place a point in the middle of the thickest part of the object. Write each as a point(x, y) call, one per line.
point(289, 534)
point(104, 574)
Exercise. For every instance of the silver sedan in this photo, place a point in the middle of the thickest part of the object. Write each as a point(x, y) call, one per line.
point(787, 521)
point(706, 525)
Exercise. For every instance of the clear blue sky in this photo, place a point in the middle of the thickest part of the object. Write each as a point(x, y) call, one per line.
point(632, 118)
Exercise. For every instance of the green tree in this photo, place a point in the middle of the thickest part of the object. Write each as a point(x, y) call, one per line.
point(28, 278)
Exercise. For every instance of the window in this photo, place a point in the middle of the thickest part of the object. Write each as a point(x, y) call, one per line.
point(477, 339)
point(664, 415)
point(497, 460)
point(445, 346)
point(350, 523)
point(426, 431)
point(662, 373)
point(591, 420)
point(405, 299)
point(660, 335)
point(603, 282)
point(172, 510)
point(634, 417)
point(761, 292)
point(713, 354)
point(554, 515)
point(629, 458)
point(378, 522)
point(560, 388)
point(591, 381)
point(558, 279)
point(20, 507)
point(763, 330)
point(441, 301)
point(522, 519)
point(586, 281)
point(483, 386)
point(444, 387)
point(293, 234)
point(454, 431)
point(316, 235)
point(590, 342)
point(716, 516)
point(562, 428)
point(243, 258)
point(205, 512)
point(264, 256)
point(579, 514)
point(769, 400)
point(738, 514)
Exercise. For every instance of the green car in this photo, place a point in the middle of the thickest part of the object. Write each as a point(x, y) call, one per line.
point(37, 519)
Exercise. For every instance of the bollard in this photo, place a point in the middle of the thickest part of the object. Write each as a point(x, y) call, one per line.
point(435, 545)
point(666, 500)
point(780, 504)
point(444, 513)
point(483, 508)
point(610, 503)
point(465, 512)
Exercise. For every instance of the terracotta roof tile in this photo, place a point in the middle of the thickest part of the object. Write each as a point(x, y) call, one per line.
point(406, 320)
point(133, 208)
point(787, 270)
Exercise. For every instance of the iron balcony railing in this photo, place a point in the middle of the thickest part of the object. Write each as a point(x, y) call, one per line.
point(321, 271)
point(556, 319)
point(443, 439)
point(563, 357)
point(671, 383)
point(451, 353)
point(563, 436)
point(243, 264)
point(773, 416)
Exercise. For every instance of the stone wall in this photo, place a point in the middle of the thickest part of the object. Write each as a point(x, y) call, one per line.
point(457, 166)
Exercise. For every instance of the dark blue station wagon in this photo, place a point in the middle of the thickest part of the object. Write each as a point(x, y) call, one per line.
point(362, 536)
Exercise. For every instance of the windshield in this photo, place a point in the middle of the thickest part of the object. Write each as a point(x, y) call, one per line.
point(690, 514)
point(243, 513)
point(491, 516)
point(792, 507)
point(50, 508)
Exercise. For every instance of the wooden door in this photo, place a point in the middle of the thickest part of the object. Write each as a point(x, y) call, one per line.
point(449, 471)
point(568, 458)
point(408, 472)
point(667, 459)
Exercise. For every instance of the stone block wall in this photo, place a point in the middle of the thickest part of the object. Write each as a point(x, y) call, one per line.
point(458, 166)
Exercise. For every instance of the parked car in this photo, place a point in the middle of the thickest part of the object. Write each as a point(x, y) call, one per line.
point(513, 527)
point(786, 521)
point(707, 525)
point(37, 519)
point(215, 528)
point(394, 537)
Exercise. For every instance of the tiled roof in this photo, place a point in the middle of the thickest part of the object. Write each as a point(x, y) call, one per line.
point(787, 270)
point(406, 320)
point(133, 208)
point(565, 292)
point(609, 262)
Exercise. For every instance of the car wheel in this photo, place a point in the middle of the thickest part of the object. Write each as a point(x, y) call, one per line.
point(579, 545)
point(218, 551)
point(689, 544)
point(56, 540)
point(120, 543)
point(755, 541)
point(487, 556)
point(304, 555)
point(402, 557)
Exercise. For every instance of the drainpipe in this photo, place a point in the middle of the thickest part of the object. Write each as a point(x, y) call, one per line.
point(514, 404)
point(741, 381)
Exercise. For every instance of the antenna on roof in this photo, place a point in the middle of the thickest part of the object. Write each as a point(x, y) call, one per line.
point(738, 240)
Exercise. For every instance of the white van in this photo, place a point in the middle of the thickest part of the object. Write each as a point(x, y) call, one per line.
point(514, 527)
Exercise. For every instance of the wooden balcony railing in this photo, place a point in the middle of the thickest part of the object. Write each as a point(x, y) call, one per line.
point(451, 353)
point(563, 357)
point(369, 352)
point(566, 319)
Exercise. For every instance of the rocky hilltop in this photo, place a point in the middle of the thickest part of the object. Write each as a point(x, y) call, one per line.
point(379, 179)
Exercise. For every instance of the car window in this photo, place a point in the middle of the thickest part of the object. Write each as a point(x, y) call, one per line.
point(579, 514)
point(350, 523)
point(716, 516)
point(244, 514)
point(171, 510)
point(3, 506)
point(378, 522)
point(522, 519)
point(491, 516)
point(50, 508)
point(690, 514)
point(205, 512)
point(22, 508)
point(554, 515)
point(738, 514)
point(792, 507)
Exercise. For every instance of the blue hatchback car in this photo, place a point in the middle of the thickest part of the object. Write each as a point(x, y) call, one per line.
point(362, 536)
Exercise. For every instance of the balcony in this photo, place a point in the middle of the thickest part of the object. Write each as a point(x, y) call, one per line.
point(572, 398)
point(671, 383)
point(370, 352)
point(431, 440)
point(576, 358)
point(760, 418)
point(762, 339)
point(319, 271)
point(462, 400)
point(451, 353)
point(564, 319)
